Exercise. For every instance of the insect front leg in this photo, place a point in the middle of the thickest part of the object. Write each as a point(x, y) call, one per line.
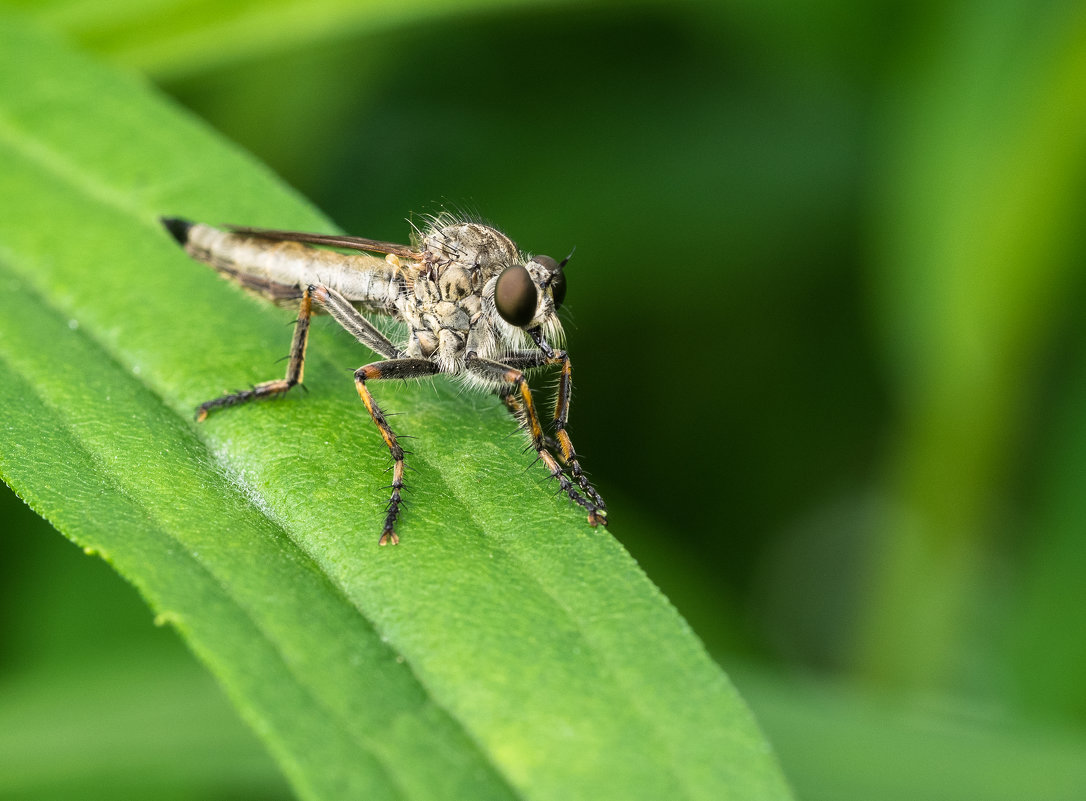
point(563, 444)
point(512, 380)
point(516, 408)
point(394, 368)
point(279, 386)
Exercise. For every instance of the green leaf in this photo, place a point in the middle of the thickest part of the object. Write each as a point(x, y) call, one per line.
point(981, 202)
point(1047, 633)
point(840, 743)
point(505, 649)
point(181, 36)
point(89, 725)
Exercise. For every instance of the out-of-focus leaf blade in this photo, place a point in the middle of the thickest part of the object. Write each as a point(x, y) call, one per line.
point(838, 743)
point(984, 141)
point(1047, 634)
point(170, 37)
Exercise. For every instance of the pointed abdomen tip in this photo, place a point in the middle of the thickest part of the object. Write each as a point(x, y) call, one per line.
point(178, 228)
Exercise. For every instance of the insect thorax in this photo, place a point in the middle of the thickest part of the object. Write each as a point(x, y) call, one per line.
point(449, 309)
point(470, 245)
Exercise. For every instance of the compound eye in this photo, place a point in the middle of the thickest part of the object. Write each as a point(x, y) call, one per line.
point(558, 289)
point(546, 262)
point(558, 278)
point(515, 296)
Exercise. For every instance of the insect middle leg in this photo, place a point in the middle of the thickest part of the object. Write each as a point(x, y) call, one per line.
point(393, 368)
point(279, 386)
point(562, 444)
point(512, 380)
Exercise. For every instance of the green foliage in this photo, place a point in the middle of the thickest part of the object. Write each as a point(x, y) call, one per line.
point(183, 36)
point(985, 151)
point(825, 319)
point(504, 650)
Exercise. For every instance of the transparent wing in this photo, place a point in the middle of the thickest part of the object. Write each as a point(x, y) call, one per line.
point(331, 240)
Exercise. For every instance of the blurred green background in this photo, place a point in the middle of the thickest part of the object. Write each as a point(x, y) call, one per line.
point(825, 321)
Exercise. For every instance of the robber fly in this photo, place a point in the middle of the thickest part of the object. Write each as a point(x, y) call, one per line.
point(475, 307)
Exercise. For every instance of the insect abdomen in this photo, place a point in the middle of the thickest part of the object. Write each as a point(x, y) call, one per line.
point(271, 266)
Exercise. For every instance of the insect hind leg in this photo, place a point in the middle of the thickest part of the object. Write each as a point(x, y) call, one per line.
point(276, 387)
point(393, 368)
